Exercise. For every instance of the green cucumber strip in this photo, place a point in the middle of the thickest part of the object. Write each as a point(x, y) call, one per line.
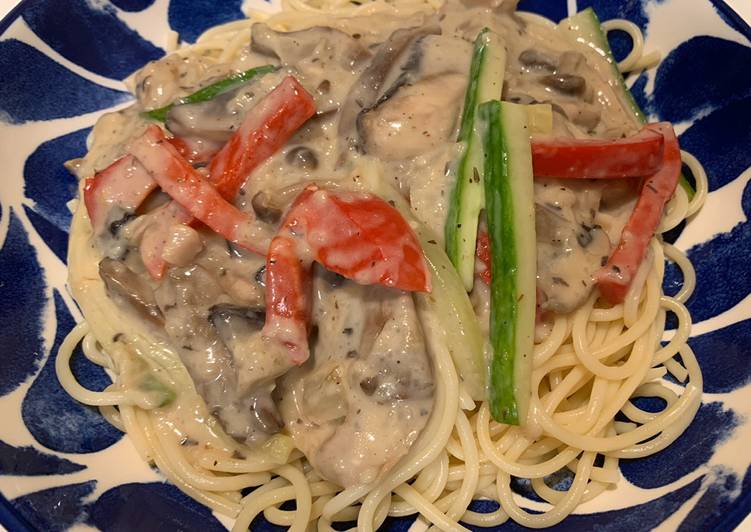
point(687, 186)
point(486, 73)
point(509, 208)
point(154, 385)
point(485, 83)
point(209, 92)
point(585, 28)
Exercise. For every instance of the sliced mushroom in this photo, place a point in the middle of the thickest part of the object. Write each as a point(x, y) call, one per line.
point(214, 120)
point(580, 113)
point(234, 324)
point(122, 282)
point(570, 246)
point(513, 96)
point(265, 208)
point(294, 46)
point(419, 109)
point(569, 84)
point(302, 157)
point(366, 89)
point(414, 120)
point(536, 60)
point(216, 343)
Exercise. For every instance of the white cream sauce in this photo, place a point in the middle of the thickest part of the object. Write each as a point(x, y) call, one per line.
point(366, 392)
point(392, 88)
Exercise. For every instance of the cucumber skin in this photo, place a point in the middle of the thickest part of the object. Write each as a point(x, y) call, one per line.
point(590, 29)
point(498, 208)
point(464, 211)
point(211, 91)
point(467, 197)
point(588, 17)
point(469, 113)
point(511, 231)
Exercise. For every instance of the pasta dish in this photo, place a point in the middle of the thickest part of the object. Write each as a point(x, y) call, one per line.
point(386, 258)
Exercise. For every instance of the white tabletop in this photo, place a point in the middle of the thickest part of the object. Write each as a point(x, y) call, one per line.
point(742, 7)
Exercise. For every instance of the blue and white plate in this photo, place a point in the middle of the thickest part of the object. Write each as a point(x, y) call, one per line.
point(61, 66)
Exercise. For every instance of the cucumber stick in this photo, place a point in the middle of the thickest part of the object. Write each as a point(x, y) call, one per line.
point(510, 212)
point(585, 28)
point(467, 199)
point(211, 91)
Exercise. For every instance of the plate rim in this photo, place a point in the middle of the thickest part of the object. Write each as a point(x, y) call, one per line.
point(14, 521)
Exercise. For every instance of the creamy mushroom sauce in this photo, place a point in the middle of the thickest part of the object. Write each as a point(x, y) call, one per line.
point(385, 87)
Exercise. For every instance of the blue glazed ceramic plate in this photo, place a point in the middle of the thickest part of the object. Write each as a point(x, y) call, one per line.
point(61, 66)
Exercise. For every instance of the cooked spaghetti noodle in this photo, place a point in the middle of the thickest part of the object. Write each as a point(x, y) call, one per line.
point(589, 366)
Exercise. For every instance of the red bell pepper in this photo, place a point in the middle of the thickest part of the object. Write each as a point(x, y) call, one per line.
point(356, 235)
point(615, 278)
point(186, 186)
point(195, 151)
point(266, 128)
point(124, 184)
point(636, 156)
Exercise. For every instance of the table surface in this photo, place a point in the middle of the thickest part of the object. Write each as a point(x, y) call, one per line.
point(742, 7)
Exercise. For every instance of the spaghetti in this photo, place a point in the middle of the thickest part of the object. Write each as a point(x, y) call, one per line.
point(588, 369)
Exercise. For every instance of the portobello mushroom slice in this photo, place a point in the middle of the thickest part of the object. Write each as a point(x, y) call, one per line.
point(369, 86)
point(213, 121)
point(232, 368)
point(293, 47)
point(361, 401)
point(123, 283)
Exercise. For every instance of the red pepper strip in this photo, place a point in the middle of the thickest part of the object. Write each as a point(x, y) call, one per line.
point(195, 151)
point(162, 219)
point(124, 184)
point(636, 156)
point(357, 235)
point(288, 300)
point(365, 239)
point(186, 186)
point(266, 128)
point(483, 253)
point(615, 277)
